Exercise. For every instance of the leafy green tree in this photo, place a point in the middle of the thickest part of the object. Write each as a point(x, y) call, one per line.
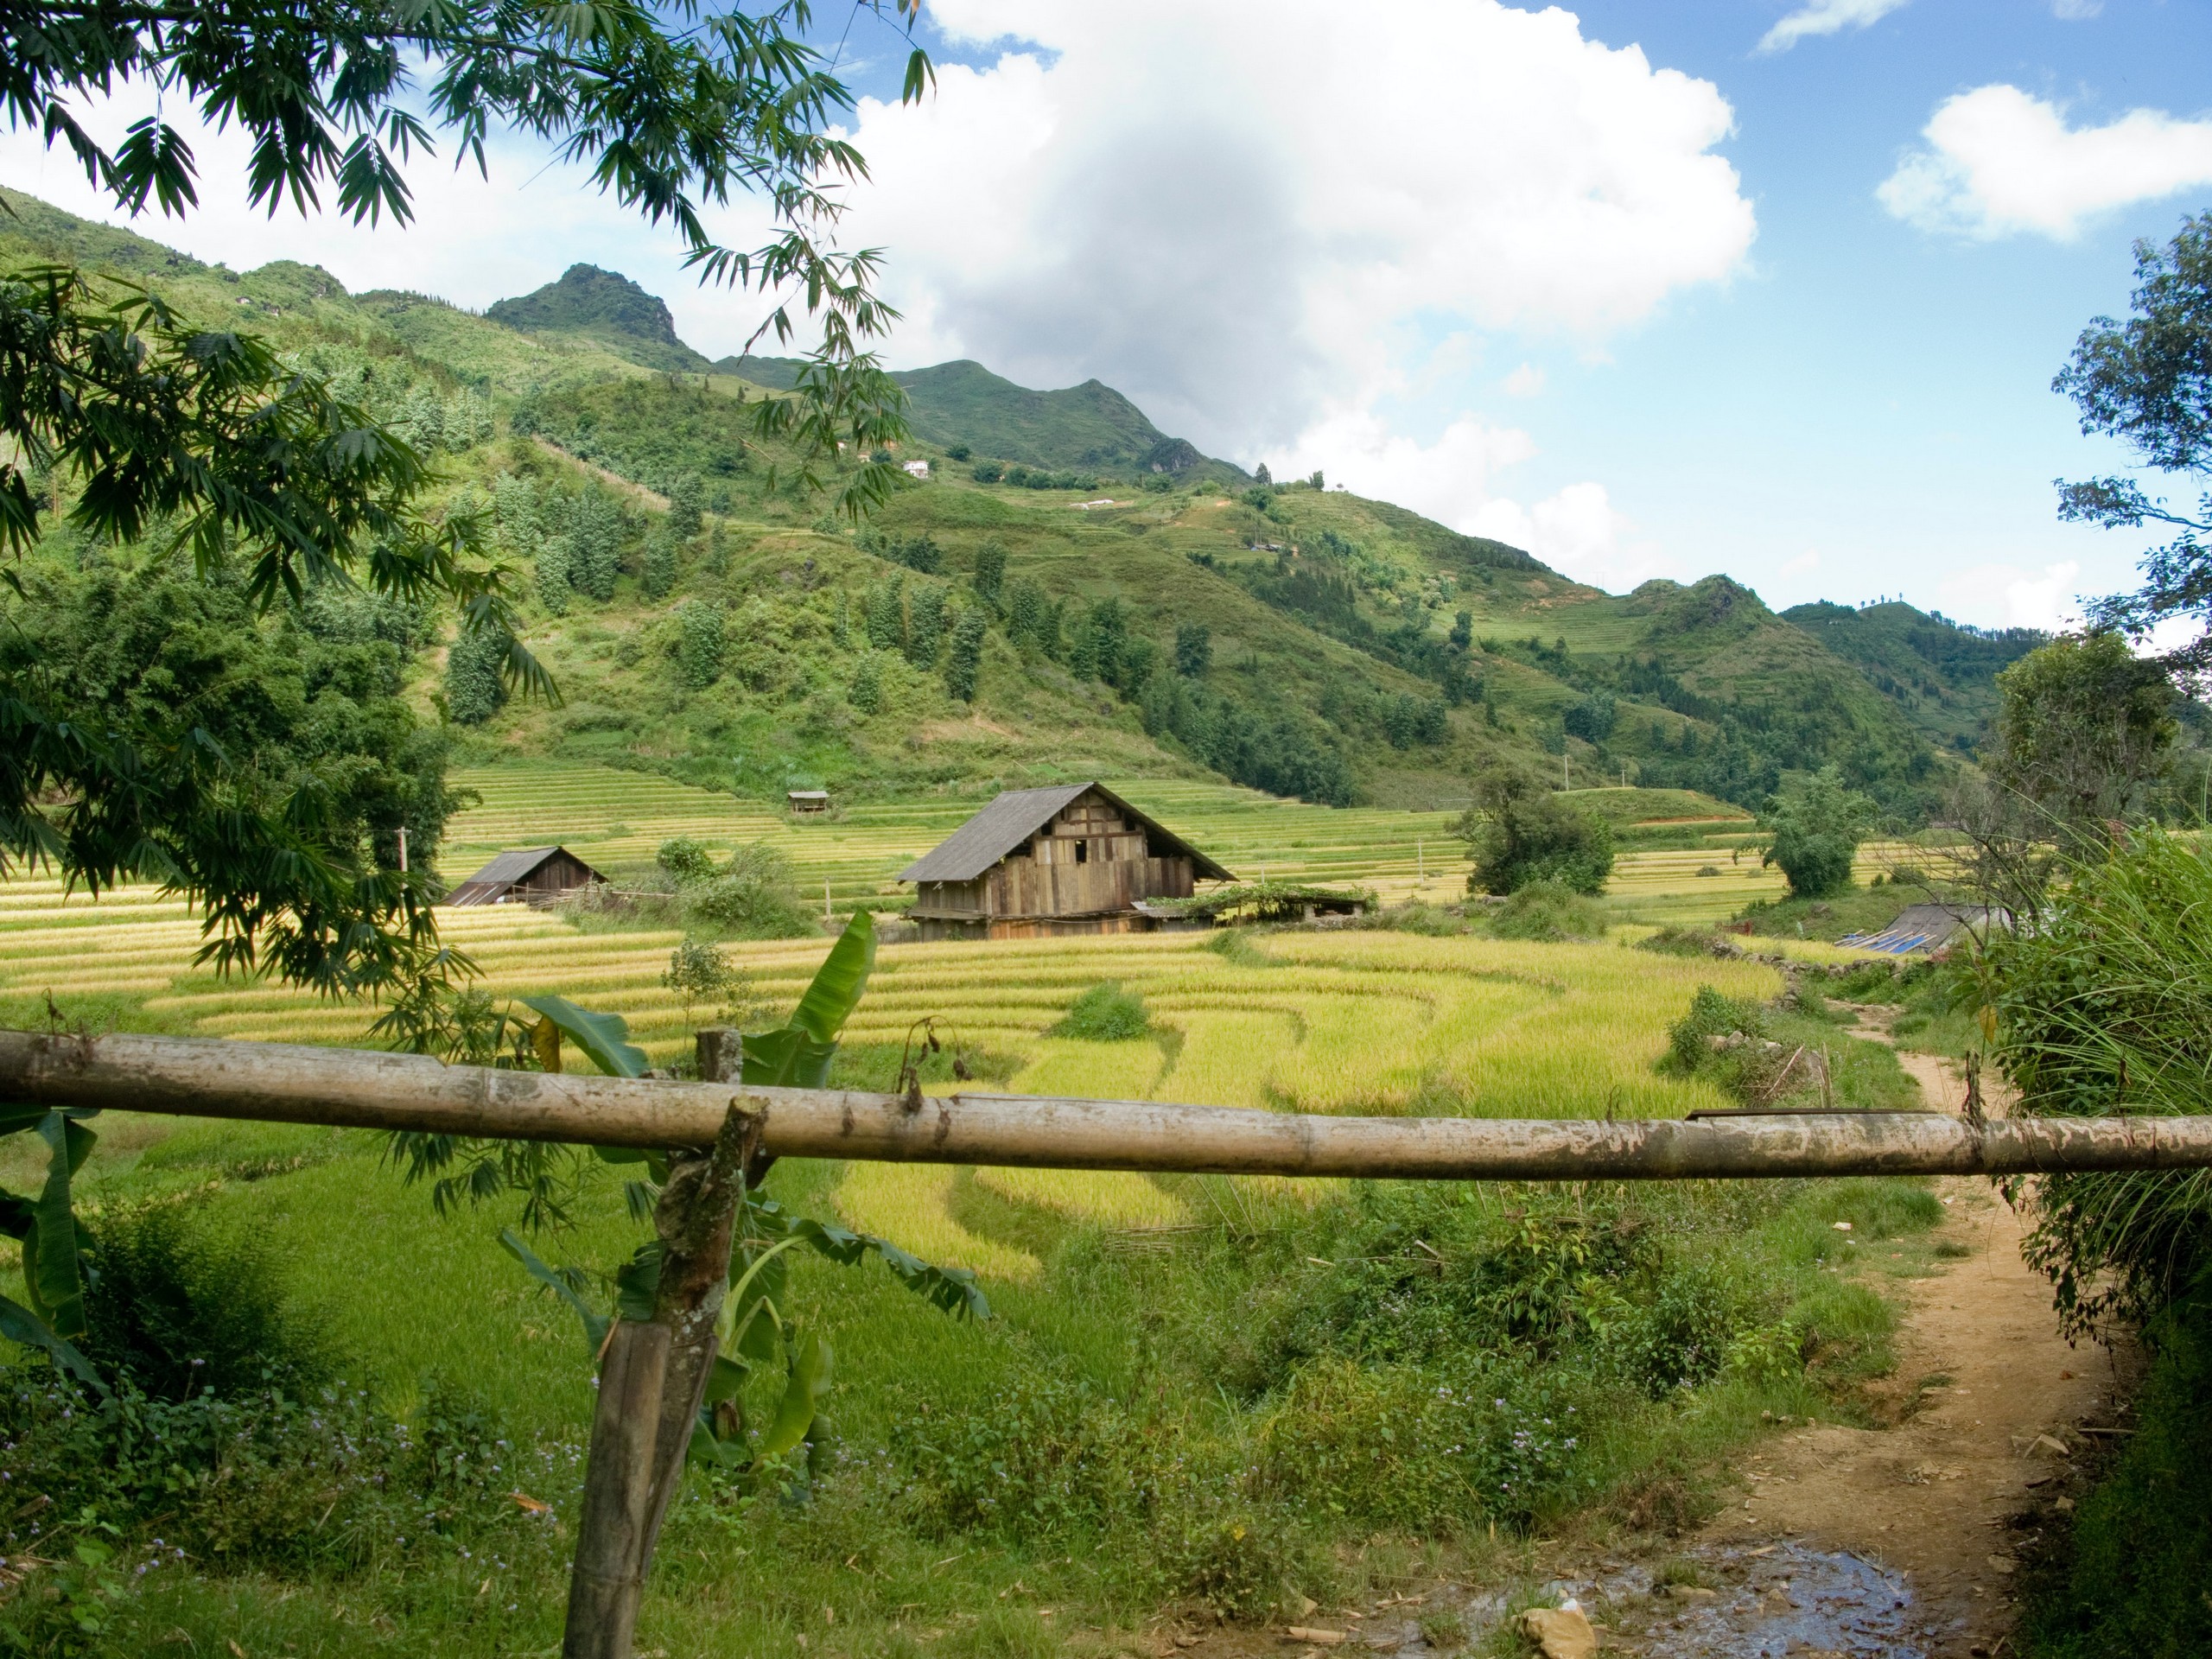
point(990, 572)
point(2147, 382)
point(474, 691)
point(595, 545)
point(1463, 630)
point(1814, 824)
point(684, 860)
point(866, 691)
point(1029, 616)
point(2084, 728)
point(1519, 832)
point(1102, 640)
point(887, 615)
point(657, 574)
point(1193, 649)
point(670, 113)
point(963, 661)
point(925, 624)
point(699, 643)
point(698, 972)
point(1261, 475)
point(687, 505)
point(1592, 718)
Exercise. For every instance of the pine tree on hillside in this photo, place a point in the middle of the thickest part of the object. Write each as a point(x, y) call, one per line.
point(1193, 649)
point(699, 644)
point(990, 572)
point(964, 660)
point(687, 502)
point(474, 690)
point(657, 576)
point(925, 624)
point(595, 545)
point(887, 615)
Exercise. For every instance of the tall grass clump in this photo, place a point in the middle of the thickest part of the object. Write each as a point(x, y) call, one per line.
point(1105, 1014)
point(1547, 910)
point(2103, 1007)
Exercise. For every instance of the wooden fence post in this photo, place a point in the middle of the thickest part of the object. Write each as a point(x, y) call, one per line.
point(651, 1384)
point(608, 1579)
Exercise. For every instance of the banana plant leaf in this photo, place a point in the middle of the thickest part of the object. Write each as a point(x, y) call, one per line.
point(837, 985)
point(52, 1276)
point(802, 1396)
point(797, 1054)
point(19, 1324)
point(604, 1037)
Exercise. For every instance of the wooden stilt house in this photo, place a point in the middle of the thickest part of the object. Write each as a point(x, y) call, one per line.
point(1072, 859)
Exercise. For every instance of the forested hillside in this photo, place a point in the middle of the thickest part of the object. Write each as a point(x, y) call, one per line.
point(1067, 590)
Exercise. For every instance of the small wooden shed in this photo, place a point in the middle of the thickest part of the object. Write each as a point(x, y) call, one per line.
point(534, 875)
point(807, 800)
point(1073, 859)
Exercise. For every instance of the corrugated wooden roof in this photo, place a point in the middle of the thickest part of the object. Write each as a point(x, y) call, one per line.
point(1008, 821)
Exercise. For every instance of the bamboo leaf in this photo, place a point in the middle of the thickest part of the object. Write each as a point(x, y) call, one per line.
point(594, 1324)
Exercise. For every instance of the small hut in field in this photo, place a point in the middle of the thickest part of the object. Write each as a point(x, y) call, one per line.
point(1035, 863)
point(532, 875)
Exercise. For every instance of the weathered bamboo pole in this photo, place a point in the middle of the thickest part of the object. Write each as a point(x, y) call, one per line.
point(213, 1077)
point(614, 1522)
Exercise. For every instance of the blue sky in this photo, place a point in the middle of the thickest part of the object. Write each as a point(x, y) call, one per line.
point(1620, 283)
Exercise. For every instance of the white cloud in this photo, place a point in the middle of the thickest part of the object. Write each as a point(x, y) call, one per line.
point(1527, 381)
point(1803, 565)
point(1825, 17)
point(1999, 161)
point(1577, 531)
point(1241, 223)
point(2048, 598)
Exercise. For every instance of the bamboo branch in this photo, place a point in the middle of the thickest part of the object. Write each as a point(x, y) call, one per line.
point(351, 1088)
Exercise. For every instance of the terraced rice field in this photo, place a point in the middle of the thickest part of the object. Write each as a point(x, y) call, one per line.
point(615, 821)
point(1324, 1022)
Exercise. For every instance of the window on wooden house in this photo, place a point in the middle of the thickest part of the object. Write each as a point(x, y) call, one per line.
point(1083, 852)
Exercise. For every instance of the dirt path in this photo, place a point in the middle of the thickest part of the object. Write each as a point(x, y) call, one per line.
point(1992, 1403)
point(1878, 1544)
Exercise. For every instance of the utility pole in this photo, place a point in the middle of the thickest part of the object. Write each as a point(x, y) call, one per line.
point(1565, 776)
point(403, 849)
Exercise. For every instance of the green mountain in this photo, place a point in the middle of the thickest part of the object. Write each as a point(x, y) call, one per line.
point(1941, 674)
point(1070, 614)
point(606, 307)
point(1091, 427)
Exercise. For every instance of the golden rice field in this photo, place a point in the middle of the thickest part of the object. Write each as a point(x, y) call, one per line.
point(1324, 1022)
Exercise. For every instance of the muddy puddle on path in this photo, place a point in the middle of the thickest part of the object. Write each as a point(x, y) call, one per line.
point(1781, 1599)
